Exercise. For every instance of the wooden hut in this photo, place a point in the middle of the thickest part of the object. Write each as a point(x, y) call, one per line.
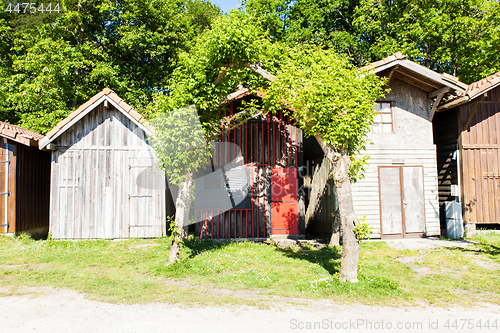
point(24, 182)
point(104, 182)
point(398, 196)
point(467, 134)
point(266, 155)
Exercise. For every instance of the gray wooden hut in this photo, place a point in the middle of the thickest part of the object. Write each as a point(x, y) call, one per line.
point(104, 181)
point(24, 182)
point(399, 193)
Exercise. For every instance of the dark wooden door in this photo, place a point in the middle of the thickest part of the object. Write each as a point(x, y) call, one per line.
point(284, 203)
point(402, 212)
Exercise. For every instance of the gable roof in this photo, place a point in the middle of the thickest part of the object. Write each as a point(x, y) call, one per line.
point(105, 95)
point(19, 134)
point(415, 74)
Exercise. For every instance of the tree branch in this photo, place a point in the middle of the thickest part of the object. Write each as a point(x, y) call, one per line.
point(259, 70)
point(220, 77)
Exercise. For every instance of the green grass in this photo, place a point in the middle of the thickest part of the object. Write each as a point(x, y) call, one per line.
point(211, 273)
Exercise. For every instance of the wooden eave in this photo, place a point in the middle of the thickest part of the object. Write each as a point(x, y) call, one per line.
point(419, 76)
point(21, 135)
point(476, 90)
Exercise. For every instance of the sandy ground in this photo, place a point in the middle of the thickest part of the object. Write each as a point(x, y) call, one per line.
point(67, 311)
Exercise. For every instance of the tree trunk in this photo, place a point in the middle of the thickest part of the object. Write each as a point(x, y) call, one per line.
point(182, 207)
point(350, 245)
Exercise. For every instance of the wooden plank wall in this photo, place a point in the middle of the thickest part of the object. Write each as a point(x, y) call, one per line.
point(268, 142)
point(445, 128)
point(365, 192)
point(322, 199)
point(95, 171)
point(480, 153)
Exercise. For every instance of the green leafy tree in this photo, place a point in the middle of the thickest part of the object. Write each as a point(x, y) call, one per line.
point(53, 62)
point(333, 101)
point(459, 37)
point(329, 97)
point(325, 23)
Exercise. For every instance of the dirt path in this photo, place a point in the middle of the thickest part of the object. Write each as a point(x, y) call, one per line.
point(68, 311)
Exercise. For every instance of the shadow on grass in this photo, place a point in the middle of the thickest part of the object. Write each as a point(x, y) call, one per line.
point(198, 246)
point(488, 249)
point(327, 257)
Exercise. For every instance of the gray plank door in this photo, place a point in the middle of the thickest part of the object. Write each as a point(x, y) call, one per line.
point(413, 200)
point(401, 201)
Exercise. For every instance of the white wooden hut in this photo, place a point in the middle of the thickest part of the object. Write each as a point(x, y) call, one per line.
point(104, 182)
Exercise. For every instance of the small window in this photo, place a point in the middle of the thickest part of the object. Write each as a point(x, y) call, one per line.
point(382, 123)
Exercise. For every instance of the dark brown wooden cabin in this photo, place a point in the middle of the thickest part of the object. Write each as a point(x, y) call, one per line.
point(271, 159)
point(467, 135)
point(24, 182)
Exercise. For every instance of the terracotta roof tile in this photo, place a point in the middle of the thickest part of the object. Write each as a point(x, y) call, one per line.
point(105, 92)
point(391, 58)
point(19, 134)
point(136, 115)
point(8, 132)
point(125, 106)
point(478, 87)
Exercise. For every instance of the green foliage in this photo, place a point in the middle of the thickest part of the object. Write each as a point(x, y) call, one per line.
point(326, 23)
point(460, 37)
point(52, 63)
point(179, 142)
point(363, 230)
point(233, 40)
point(357, 167)
point(328, 95)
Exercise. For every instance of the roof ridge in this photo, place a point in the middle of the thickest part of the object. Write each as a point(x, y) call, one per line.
point(105, 92)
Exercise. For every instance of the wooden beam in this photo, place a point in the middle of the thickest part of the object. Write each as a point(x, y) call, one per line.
point(436, 103)
point(389, 77)
point(473, 111)
point(51, 146)
point(237, 93)
point(427, 86)
point(436, 93)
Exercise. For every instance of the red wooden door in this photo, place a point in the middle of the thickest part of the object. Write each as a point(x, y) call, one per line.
point(284, 210)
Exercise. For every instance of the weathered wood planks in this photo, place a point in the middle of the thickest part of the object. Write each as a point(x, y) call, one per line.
point(96, 173)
